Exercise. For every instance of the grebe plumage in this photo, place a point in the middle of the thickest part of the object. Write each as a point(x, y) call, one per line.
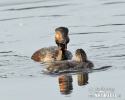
point(81, 62)
point(55, 53)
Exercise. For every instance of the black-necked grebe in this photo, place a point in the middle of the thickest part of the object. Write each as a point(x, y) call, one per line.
point(53, 53)
point(81, 62)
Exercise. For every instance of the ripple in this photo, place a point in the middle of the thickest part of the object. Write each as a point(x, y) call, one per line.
point(118, 45)
point(98, 46)
point(87, 33)
point(74, 72)
point(14, 41)
point(120, 24)
point(6, 52)
point(9, 35)
point(51, 16)
point(15, 56)
point(2, 42)
point(121, 55)
point(38, 7)
point(104, 46)
point(119, 15)
point(104, 68)
point(76, 44)
point(20, 3)
point(4, 76)
point(15, 18)
point(111, 3)
point(79, 26)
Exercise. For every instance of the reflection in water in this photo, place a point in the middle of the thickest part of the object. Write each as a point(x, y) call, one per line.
point(65, 82)
point(82, 79)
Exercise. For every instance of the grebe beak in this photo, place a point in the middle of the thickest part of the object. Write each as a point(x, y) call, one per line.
point(65, 46)
point(62, 46)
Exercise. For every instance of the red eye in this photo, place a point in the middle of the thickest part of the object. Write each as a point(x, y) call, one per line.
point(58, 37)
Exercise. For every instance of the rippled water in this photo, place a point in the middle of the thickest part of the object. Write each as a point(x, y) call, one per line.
point(97, 26)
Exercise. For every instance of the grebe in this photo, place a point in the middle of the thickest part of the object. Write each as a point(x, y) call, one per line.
point(55, 53)
point(81, 62)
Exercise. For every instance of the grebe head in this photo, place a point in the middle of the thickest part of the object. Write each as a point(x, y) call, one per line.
point(81, 55)
point(61, 37)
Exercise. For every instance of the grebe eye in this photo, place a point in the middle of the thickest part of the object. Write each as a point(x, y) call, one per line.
point(58, 36)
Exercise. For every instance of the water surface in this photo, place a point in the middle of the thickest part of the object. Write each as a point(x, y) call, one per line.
point(97, 26)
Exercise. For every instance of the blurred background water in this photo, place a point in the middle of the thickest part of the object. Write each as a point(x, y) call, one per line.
point(97, 26)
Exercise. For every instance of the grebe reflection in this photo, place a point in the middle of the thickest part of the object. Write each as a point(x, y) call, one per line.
point(65, 82)
point(82, 79)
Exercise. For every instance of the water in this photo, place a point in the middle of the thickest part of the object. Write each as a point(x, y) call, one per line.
point(97, 26)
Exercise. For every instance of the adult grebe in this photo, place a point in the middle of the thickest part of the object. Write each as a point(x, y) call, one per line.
point(81, 62)
point(53, 53)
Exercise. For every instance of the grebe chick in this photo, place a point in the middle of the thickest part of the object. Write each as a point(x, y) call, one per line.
point(81, 62)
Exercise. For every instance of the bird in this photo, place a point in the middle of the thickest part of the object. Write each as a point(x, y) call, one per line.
point(80, 63)
point(55, 53)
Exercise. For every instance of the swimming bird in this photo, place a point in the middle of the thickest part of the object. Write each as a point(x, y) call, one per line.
point(81, 62)
point(55, 53)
